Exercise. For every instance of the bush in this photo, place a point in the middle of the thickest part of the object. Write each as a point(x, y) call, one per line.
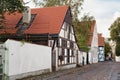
point(117, 49)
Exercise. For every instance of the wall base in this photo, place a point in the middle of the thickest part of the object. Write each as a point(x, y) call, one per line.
point(66, 67)
point(20, 76)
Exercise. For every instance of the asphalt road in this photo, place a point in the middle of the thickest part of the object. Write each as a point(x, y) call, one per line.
point(100, 71)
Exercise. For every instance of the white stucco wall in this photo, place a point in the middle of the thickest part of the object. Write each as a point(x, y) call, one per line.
point(117, 58)
point(90, 57)
point(85, 58)
point(93, 53)
point(80, 54)
point(25, 57)
point(80, 57)
point(95, 45)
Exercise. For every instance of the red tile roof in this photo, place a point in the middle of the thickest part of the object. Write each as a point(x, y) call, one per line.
point(91, 33)
point(90, 40)
point(92, 27)
point(100, 40)
point(47, 20)
point(11, 22)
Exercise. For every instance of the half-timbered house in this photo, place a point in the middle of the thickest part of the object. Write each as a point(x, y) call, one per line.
point(51, 26)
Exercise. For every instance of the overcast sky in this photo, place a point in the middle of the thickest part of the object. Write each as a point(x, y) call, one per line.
point(104, 11)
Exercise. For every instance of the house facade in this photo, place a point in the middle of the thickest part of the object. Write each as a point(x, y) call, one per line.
point(50, 26)
point(93, 44)
point(67, 47)
point(101, 54)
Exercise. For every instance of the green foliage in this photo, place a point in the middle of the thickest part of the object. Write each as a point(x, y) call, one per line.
point(107, 49)
point(115, 30)
point(115, 34)
point(82, 31)
point(9, 6)
point(86, 17)
point(117, 49)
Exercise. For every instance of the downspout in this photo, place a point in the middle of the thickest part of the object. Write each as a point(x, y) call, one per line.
point(53, 45)
point(53, 57)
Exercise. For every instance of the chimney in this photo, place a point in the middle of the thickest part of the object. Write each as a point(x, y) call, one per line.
point(27, 15)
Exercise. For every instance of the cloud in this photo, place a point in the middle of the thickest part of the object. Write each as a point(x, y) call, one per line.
point(30, 3)
point(104, 11)
point(116, 15)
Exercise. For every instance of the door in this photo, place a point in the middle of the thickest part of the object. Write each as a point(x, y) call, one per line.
point(68, 56)
point(87, 61)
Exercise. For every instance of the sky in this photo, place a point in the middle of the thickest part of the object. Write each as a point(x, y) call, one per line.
point(104, 11)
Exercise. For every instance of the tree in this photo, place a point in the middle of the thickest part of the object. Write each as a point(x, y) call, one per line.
point(74, 4)
point(9, 6)
point(107, 49)
point(82, 31)
point(117, 49)
point(115, 30)
point(115, 34)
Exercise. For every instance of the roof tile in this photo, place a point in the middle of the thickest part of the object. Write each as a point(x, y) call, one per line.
point(47, 20)
point(100, 40)
point(91, 33)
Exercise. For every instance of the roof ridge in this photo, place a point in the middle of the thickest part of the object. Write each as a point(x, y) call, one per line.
point(51, 7)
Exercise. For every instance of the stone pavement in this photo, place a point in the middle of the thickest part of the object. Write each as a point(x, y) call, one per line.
point(115, 72)
point(100, 71)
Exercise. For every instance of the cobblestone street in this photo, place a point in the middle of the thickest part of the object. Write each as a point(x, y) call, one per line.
point(99, 71)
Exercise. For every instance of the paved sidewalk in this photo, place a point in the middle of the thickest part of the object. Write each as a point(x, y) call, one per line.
point(115, 72)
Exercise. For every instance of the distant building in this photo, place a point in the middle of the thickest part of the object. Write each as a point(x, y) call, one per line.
point(101, 53)
point(93, 44)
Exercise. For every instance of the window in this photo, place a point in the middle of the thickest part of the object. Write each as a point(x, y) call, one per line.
point(68, 44)
point(50, 43)
point(71, 45)
point(63, 52)
point(61, 56)
point(68, 56)
point(21, 24)
point(64, 43)
point(60, 42)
